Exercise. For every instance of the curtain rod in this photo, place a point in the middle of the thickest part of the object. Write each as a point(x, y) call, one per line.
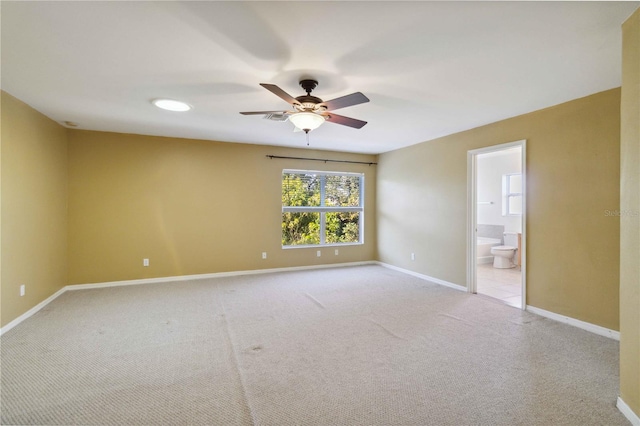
point(322, 159)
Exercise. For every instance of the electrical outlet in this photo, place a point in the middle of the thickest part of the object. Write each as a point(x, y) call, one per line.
point(318, 253)
point(145, 262)
point(264, 254)
point(413, 256)
point(336, 252)
point(22, 290)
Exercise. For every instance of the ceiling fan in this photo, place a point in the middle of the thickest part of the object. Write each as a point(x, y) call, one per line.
point(309, 112)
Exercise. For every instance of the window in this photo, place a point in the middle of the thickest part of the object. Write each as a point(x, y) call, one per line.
point(322, 208)
point(512, 194)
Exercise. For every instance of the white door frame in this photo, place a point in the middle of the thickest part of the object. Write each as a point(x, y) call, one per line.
point(472, 214)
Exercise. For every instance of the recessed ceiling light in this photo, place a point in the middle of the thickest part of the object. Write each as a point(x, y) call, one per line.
point(171, 105)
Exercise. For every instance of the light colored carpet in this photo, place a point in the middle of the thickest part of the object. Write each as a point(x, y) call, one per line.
point(345, 346)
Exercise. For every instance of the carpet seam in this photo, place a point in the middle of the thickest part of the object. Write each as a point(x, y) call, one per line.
point(237, 365)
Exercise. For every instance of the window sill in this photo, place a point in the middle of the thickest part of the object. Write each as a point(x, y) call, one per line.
point(318, 246)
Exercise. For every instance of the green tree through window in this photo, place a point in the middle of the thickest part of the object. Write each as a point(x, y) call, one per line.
point(321, 208)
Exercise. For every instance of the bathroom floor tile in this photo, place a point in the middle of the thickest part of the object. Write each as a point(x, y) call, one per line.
point(513, 289)
point(502, 284)
point(488, 283)
point(513, 301)
point(494, 292)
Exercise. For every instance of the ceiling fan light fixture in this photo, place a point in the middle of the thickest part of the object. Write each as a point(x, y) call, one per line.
point(171, 105)
point(306, 121)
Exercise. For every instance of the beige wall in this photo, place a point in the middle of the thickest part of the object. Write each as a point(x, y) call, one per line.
point(573, 172)
point(191, 207)
point(34, 207)
point(630, 221)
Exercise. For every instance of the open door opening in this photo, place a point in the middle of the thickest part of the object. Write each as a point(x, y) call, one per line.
point(496, 241)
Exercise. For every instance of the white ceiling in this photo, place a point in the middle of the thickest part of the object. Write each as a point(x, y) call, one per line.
point(429, 68)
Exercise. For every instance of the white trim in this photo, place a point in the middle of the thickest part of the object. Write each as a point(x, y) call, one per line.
point(319, 246)
point(321, 209)
point(214, 275)
point(523, 231)
point(472, 218)
point(31, 311)
point(425, 277)
point(612, 334)
point(628, 412)
point(472, 214)
point(73, 287)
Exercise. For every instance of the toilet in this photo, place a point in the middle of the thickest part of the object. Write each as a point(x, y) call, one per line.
point(503, 255)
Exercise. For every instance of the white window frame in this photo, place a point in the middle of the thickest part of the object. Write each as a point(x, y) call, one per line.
point(507, 194)
point(322, 209)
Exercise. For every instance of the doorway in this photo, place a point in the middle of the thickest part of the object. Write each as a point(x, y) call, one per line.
point(496, 220)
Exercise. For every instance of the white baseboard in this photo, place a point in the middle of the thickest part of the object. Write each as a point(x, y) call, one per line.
point(73, 287)
point(31, 311)
point(612, 334)
point(628, 412)
point(214, 275)
point(424, 277)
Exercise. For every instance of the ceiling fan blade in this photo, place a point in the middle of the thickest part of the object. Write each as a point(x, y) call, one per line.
point(262, 112)
point(281, 93)
point(345, 121)
point(345, 101)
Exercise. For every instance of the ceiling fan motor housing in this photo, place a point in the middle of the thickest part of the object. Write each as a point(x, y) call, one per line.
point(308, 85)
point(308, 102)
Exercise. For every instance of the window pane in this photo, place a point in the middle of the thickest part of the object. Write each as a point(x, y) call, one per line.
point(300, 189)
point(515, 183)
point(300, 228)
point(312, 195)
point(515, 204)
point(342, 191)
point(342, 227)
